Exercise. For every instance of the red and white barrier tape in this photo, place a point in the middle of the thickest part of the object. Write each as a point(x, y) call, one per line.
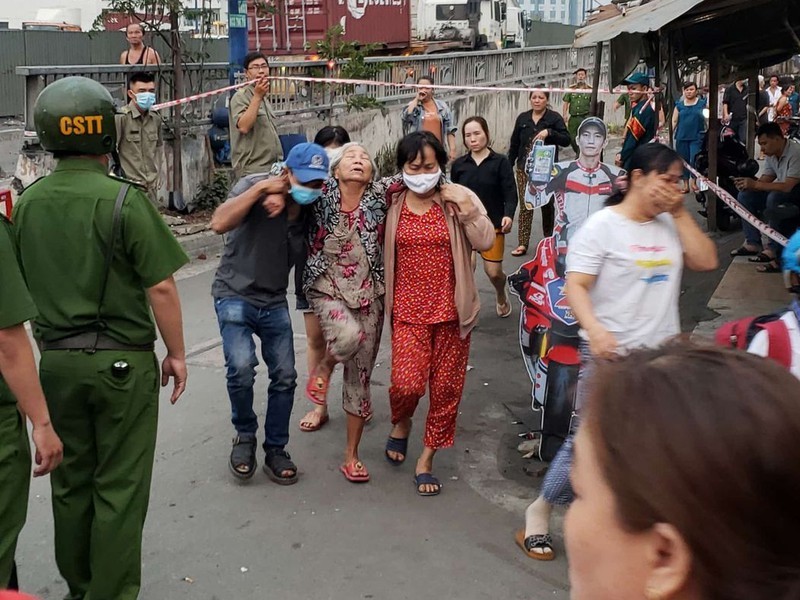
point(339, 81)
point(738, 208)
point(195, 97)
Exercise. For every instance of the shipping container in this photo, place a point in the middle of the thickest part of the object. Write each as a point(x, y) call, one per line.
point(292, 27)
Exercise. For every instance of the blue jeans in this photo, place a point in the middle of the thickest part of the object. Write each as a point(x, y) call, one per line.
point(239, 321)
point(757, 203)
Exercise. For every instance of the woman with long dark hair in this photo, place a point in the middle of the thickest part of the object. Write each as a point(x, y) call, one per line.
point(538, 124)
point(624, 269)
point(491, 176)
point(432, 227)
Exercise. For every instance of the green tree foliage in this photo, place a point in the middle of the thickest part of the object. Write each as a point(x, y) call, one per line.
point(347, 60)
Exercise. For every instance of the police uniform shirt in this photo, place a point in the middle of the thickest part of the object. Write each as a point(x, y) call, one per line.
point(63, 224)
point(138, 138)
point(256, 151)
point(578, 103)
point(16, 305)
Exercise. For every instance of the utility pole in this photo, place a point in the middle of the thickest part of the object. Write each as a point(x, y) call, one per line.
point(176, 200)
point(237, 36)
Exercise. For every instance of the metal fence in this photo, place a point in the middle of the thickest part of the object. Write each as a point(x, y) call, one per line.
point(551, 66)
point(75, 48)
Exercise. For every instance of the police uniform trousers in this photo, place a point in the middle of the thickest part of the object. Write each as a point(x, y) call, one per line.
point(108, 424)
point(572, 126)
point(15, 478)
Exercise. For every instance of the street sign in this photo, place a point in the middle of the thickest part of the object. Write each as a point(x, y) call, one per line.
point(237, 21)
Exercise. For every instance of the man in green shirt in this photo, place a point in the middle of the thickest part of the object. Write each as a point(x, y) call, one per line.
point(576, 106)
point(623, 101)
point(95, 253)
point(255, 145)
point(20, 396)
point(139, 134)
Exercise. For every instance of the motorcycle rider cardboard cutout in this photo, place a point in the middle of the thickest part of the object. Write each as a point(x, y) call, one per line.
point(548, 330)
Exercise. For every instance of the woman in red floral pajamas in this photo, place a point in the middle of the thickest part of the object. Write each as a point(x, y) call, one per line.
point(432, 228)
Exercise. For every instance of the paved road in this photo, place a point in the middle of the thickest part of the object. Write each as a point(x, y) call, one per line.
point(208, 537)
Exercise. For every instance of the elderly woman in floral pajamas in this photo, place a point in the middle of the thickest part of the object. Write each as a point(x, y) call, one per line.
point(344, 284)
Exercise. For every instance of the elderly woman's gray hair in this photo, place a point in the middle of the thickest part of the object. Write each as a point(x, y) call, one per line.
point(340, 152)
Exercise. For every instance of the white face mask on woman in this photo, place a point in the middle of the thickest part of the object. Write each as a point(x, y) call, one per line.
point(423, 182)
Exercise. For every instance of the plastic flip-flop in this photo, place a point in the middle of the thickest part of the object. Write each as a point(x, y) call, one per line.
point(355, 472)
point(317, 388)
point(427, 479)
point(308, 419)
point(399, 445)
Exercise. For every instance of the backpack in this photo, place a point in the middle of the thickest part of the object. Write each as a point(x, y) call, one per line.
point(739, 334)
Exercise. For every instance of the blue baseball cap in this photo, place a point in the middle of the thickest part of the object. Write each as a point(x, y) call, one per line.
point(637, 78)
point(791, 258)
point(308, 162)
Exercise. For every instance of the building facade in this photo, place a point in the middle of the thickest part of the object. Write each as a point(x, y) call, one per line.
point(568, 12)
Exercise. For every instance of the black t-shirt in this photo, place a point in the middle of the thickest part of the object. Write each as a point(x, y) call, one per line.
point(737, 103)
point(255, 262)
point(493, 182)
point(761, 102)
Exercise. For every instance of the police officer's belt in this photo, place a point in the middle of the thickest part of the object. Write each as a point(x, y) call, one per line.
point(91, 342)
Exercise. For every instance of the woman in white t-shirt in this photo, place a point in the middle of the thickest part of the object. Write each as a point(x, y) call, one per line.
point(624, 266)
point(624, 271)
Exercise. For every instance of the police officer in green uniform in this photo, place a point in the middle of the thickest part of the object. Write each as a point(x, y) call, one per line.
point(19, 391)
point(94, 251)
point(576, 106)
point(139, 134)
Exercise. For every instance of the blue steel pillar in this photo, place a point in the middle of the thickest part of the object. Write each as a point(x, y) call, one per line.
point(237, 36)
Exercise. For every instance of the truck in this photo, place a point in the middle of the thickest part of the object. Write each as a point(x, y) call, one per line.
point(292, 27)
point(458, 25)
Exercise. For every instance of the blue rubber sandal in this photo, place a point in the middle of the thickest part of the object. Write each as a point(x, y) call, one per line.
point(399, 445)
point(427, 479)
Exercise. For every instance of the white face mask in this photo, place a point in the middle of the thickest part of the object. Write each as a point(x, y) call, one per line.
point(422, 183)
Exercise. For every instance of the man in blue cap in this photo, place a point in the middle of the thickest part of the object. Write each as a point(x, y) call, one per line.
point(249, 293)
point(791, 318)
point(641, 126)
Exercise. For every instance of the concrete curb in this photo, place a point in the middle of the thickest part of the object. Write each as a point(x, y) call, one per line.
point(205, 242)
point(742, 292)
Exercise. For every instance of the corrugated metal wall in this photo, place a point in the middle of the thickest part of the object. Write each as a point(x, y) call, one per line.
point(38, 48)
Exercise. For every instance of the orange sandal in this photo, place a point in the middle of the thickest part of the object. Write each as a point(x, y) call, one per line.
point(317, 388)
point(355, 472)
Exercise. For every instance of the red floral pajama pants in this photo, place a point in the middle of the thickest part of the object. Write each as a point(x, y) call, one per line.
point(432, 356)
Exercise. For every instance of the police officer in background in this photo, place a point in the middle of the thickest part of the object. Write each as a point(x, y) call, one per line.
point(20, 396)
point(576, 106)
point(139, 134)
point(94, 251)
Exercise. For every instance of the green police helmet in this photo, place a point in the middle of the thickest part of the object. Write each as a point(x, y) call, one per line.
point(76, 115)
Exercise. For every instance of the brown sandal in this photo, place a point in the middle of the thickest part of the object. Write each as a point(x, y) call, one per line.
point(519, 251)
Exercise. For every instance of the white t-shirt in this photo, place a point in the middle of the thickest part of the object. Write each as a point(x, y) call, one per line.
point(774, 96)
point(638, 268)
point(760, 343)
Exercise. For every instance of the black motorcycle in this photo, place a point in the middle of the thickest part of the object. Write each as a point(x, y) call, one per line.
point(732, 161)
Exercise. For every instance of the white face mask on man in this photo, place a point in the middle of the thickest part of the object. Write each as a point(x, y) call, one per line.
point(422, 183)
